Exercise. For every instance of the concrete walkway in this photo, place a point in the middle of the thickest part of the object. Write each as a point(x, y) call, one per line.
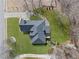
point(41, 56)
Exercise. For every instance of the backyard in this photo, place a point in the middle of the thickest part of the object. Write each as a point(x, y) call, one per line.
point(59, 24)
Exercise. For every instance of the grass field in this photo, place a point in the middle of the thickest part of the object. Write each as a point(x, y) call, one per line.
point(35, 18)
point(23, 43)
point(59, 25)
point(59, 33)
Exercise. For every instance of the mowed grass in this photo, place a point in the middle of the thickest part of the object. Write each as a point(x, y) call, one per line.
point(35, 17)
point(59, 33)
point(59, 24)
point(59, 28)
point(23, 41)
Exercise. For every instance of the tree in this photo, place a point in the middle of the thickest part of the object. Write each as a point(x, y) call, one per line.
point(33, 6)
point(40, 3)
point(70, 8)
point(26, 5)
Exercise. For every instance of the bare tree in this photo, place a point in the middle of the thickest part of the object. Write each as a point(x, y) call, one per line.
point(26, 5)
point(29, 5)
point(33, 6)
point(70, 8)
point(40, 3)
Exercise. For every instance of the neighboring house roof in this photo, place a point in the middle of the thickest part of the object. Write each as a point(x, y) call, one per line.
point(36, 30)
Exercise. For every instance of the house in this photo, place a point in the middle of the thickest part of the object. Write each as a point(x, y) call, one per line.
point(37, 30)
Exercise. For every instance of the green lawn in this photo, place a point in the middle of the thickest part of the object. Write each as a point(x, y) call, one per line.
point(59, 33)
point(35, 17)
point(23, 44)
point(59, 25)
point(59, 30)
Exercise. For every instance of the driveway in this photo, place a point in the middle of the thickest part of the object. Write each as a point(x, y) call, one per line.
point(41, 56)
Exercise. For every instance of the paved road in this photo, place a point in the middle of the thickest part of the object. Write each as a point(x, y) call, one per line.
point(3, 54)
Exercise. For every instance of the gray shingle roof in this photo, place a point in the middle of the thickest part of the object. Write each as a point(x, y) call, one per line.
point(36, 30)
